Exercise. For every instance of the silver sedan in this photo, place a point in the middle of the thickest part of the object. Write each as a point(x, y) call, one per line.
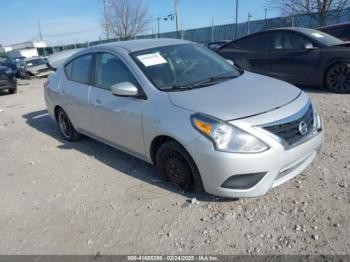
point(206, 124)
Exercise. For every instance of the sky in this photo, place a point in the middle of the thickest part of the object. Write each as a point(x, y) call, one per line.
point(71, 21)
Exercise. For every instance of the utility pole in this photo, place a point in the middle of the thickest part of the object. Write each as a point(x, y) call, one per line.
point(265, 18)
point(248, 25)
point(158, 36)
point(105, 15)
point(182, 32)
point(177, 17)
point(40, 34)
point(236, 27)
point(212, 30)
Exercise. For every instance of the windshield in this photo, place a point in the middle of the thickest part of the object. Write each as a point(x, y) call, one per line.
point(324, 38)
point(36, 62)
point(183, 66)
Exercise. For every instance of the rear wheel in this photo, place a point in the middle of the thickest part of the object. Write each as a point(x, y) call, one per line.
point(176, 165)
point(67, 130)
point(338, 78)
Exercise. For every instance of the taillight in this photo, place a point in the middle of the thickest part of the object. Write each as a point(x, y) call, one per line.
point(46, 84)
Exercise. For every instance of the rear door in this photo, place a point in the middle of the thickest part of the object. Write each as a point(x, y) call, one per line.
point(252, 53)
point(117, 120)
point(295, 58)
point(75, 88)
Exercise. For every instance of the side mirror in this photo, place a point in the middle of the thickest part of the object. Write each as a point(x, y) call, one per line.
point(310, 46)
point(230, 62)
point(125, 89)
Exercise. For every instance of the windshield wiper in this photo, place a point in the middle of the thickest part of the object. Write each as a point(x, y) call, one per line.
point(204, 82)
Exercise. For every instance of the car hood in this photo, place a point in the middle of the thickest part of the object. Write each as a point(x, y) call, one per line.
point(345, 44)
point(3, 68)
point(247, 95)
point(35, 69)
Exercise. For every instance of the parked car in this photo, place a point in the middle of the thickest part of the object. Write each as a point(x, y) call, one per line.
point(8, 79)
point(300, 56)
point(20, 67)
point(204, 123)
point(37, 66)
point(341, 31)
point(5, 61)
point(54, 60)
point(216, 45)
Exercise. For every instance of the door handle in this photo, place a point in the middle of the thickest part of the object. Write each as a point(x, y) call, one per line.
point(63, 92)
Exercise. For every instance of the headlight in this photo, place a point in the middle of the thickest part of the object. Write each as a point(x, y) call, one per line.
point(226, 137)
point(8, 71)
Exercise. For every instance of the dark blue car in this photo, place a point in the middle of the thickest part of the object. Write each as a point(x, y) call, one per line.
point(8, 79)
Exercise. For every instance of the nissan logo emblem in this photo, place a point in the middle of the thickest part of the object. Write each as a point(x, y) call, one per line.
point(303, 128)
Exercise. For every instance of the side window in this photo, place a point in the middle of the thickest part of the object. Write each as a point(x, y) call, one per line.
point(259, 41)
point(110, 70)
point(68, 70)
point(80, 69)
point(283, 40)
point(345, 34)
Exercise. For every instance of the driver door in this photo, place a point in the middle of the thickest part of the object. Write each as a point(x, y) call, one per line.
point(117, 120)
point(294, 58)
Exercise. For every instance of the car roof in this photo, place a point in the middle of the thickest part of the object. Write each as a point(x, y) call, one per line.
point(137, 45)
point(295, 29)
point(302, 30)
point(341, 25)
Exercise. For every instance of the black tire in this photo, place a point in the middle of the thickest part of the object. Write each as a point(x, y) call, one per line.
point(177, 166)
point(13, 91)
point(25, 75)
point(338, 78)
point(66, 128)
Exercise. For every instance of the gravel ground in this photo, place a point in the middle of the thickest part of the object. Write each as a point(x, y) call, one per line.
point(82, 198)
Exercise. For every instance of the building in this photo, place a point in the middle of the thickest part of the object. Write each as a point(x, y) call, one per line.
point(25, 49)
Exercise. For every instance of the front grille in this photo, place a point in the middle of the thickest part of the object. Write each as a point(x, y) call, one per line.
point(289, 132)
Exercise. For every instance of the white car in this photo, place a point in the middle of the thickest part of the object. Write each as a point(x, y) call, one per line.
point(204, 123)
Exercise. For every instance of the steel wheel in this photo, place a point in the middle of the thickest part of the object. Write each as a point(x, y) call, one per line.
point(64, 125)
point(176, 165)
point(338, 78)
point(177, 171)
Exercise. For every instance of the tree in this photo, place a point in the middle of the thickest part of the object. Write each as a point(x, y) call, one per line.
point(125, 19)
point(320, 10)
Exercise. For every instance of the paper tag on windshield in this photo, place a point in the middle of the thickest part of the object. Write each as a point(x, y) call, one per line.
point(152, 59)
point(317, 35)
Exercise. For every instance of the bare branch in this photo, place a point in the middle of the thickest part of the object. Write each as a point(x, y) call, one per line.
point(126, 18)
point(320, 10)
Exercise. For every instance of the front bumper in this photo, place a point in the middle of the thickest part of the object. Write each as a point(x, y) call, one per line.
point(7, 84)
point(279, 164)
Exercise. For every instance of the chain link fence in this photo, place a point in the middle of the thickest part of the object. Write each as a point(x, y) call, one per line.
point(223, 32)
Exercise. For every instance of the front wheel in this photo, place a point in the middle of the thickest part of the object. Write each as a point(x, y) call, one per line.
point(67, 130)
point(338, 78)
point(176, 165)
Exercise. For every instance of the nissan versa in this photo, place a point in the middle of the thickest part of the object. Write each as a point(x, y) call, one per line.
point(205, 124)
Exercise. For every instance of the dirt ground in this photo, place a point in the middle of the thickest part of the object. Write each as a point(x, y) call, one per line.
point(82, 198)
